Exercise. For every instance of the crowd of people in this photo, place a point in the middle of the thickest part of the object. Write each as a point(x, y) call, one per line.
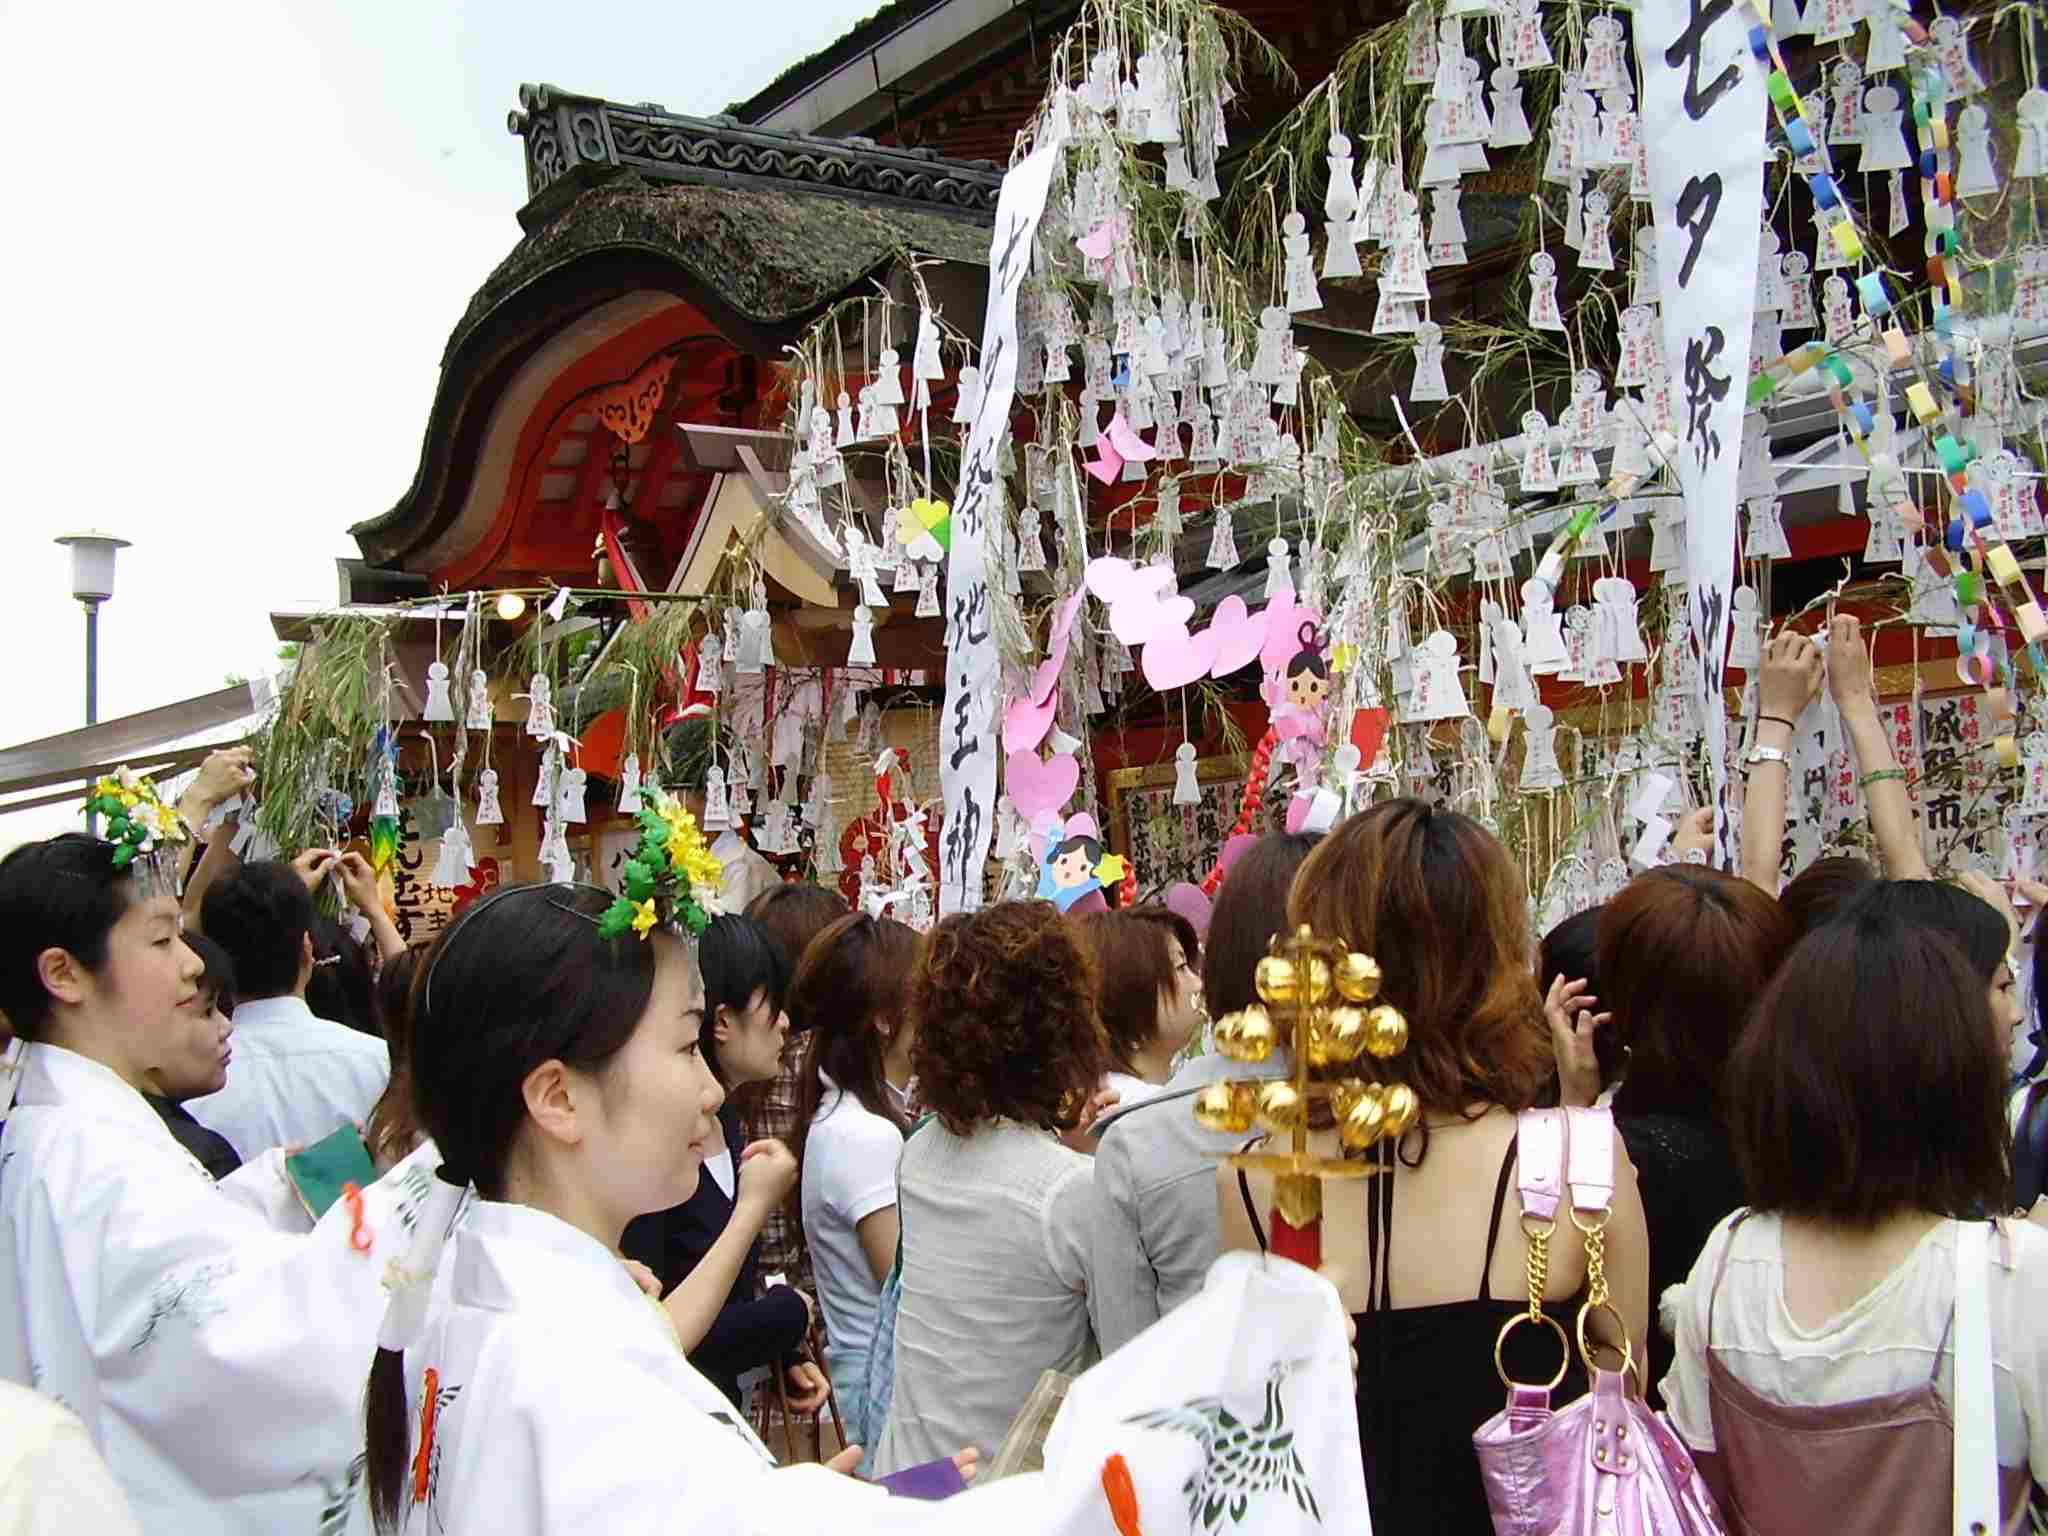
point(626, 1202)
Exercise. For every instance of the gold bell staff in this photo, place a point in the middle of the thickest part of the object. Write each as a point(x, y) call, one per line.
point(1297, 980)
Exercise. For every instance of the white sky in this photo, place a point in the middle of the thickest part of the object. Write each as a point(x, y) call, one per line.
point(238, 235)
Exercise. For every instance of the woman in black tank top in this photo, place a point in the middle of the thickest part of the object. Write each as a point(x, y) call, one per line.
point(1436, 900)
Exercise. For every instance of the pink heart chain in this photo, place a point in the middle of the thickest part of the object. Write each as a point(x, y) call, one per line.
point(1040, 786)
point(1048, 675)
point(1026, 722)
point(1238, 635)
point(1132, 448)
point(1173, 658)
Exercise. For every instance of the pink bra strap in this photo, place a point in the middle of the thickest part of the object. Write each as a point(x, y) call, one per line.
point(1539, 1159)
point(1591, 1143)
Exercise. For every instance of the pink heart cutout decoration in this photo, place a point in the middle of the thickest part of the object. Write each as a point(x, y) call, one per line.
point(1025, 722)
point(1238, 635)
point(1118, 581)
point(1174, 658)
point(1136, 622)
point(1081, 824)
point(1185, 900)
point(1036, 786)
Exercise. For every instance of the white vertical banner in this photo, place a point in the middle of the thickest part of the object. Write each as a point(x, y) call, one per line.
point(968, 727)
point(1703, 115)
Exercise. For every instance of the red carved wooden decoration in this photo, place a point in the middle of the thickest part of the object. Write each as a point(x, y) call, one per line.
point(627, 410)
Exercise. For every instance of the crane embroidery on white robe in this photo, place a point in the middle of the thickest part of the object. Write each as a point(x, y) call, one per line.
point(188, 1294)
point(1240, 1461)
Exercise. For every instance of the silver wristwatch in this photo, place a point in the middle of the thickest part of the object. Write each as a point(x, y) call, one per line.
point(1764, 755)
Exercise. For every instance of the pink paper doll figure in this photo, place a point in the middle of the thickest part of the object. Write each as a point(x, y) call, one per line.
point(1297, 694)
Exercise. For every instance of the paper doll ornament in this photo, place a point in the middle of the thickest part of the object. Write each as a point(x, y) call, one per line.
point(629, 784)
point(1543, 313)
point(1510, 121)
point(1845, 123)
point(717, 802)
point(1223, 545)
point(1540, 770)
point(1953, 52)
point(1884, 132)
point(1597, 254)
point(1766, 533)
point(575, 783)
point(1887, 48)
point(2031, 160)
point(1538, 473)
point(1542, 633)
point(1428, 383)
point(1185, 790)
point(547, 782)
point(540, 713)
point(1526, 46)
point(861, 653)
point(928, 593)
point(437, 706)
point(488, 811)
point(1975, 176)
point(1838, 314)
point(1301, 268)
point(479, 717)
point(1437, 694)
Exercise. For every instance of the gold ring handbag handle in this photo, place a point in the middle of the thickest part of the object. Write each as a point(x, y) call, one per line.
point(1595, 1234)
point(1537, 1233)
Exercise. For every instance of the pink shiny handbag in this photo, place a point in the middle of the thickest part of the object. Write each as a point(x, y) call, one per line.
point(1604, 1465)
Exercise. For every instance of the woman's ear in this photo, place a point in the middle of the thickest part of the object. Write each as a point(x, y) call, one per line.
point(61, 975)
point(722, 1025)
point(551, 1103)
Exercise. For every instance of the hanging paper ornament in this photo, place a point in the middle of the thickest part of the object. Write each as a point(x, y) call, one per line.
point(1428, 383)
point(1186, 791)
point(2031, 158)
point(1538, 473)
point(629, 785)
point(480, 717)
point(861, 653)
point(1953, 52)
point(488, 812)
point(1301, 268)
point(437, 707)
point(1543, 312)
point(1975, 176)
point(540, 713)
point(1223, 544)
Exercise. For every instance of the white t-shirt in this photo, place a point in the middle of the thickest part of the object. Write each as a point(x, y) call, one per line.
point(1884, 1343)
point(52, 1482)
point(295, 1078)
point(850, 1159)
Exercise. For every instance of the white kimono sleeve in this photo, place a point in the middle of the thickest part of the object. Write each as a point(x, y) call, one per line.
point(215, 1358)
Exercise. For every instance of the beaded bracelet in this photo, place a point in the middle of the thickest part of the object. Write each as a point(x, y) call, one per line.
point(1879, 775)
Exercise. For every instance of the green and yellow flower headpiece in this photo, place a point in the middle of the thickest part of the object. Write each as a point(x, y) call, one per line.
point(673, 877)
point(138, 823)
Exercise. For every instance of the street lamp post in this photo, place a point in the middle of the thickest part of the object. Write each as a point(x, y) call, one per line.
point(92, 583)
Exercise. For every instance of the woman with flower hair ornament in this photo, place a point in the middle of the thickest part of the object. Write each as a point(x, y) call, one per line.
point(215, 1361)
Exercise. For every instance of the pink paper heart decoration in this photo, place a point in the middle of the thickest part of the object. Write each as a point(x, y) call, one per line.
point(1174, 658)
point(1107, 463)
point(1236, 848)
point(1135, 622)
point(1238, 636)
point(1081, 824)
point(1131, 447)
point(1026, 721)
point(1284, 618)
point(1118, 581)
point(1297, 813)
point(1037, 785)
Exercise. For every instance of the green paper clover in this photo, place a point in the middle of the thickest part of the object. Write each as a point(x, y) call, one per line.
point(617, 920)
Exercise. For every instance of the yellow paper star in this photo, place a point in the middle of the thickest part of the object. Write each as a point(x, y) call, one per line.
point(1111, 869)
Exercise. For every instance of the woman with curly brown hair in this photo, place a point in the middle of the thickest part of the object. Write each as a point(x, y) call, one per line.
point(996, 1212)
point(1429, 1250)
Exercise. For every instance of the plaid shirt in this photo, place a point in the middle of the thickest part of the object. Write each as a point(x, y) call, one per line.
point(782, 1249)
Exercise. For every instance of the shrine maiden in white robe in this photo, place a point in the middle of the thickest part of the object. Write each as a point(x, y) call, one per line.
point(217, 1364)
point(562, 1403)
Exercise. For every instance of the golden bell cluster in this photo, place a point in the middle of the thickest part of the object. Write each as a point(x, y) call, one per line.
point(1322, 991)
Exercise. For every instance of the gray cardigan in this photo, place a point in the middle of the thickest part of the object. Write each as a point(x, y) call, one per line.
point(1156, 1229)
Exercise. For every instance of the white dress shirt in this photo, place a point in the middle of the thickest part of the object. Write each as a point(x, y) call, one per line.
point(294, 1079)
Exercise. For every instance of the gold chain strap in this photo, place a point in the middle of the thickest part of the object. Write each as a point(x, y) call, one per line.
point(1539, 1268)
point(1596, 1265)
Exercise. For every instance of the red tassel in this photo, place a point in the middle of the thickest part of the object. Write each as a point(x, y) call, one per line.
point(423, 1462)
point(1304, 1245)
point(359, 1224)
point(1122, 1494)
